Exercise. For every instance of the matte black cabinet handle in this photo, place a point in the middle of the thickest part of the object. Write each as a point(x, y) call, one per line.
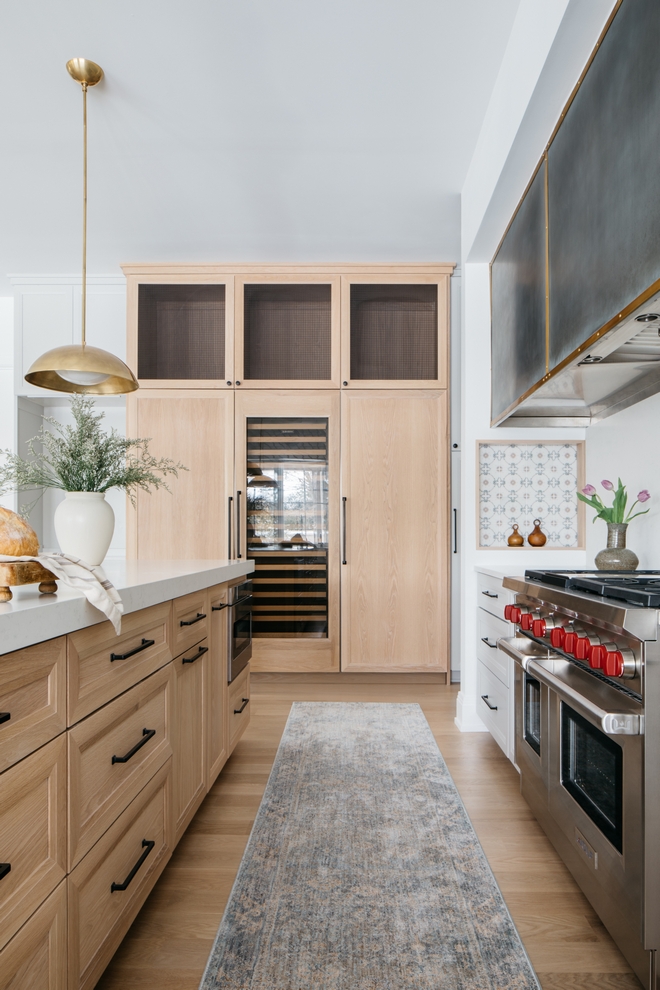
point(484, 698)
point(229, 508)
point(146, 736)
point(5, 868)
point(191, 622)
point(148, 845)
point(237, 711)
point(4, 717)
point(489, 594)
point(238, 521)
point(484, 639)
point(146, 643)
point(200, 653)
point(455, 530)
point(217, 608)
point(343, 535)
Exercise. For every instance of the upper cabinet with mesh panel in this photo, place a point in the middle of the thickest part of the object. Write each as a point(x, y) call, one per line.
point(287, 331)
point(395, 331)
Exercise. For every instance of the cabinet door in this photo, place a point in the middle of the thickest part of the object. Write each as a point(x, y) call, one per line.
point(216, 696)
point(181, 329)
point(35, 959)
point(287, 331)
point(191, 673)
point(395, 331)
point(287, 472)
point(395, 571)
point(190, 521)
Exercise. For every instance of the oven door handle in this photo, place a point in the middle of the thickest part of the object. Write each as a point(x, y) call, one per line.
point(506, 645)
point(612, 723)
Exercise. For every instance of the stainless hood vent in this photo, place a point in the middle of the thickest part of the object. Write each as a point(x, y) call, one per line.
point(620, 369)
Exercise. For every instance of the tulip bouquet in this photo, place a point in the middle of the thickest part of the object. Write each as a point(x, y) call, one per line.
point(615, 513)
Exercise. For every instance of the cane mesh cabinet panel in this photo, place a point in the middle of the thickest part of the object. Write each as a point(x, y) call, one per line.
point(287, 332)
point(181, 331)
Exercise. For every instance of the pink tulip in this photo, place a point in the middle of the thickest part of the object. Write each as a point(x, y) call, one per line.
point(589, 490)
point(608, 486)
point(643, 496)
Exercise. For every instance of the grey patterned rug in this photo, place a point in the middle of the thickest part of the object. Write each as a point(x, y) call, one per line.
point(363, 871)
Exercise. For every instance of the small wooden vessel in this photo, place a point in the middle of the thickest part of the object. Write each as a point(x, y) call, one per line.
point(17, 572)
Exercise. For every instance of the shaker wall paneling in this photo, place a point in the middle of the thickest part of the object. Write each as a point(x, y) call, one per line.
point(195, 428)
point(395, 579)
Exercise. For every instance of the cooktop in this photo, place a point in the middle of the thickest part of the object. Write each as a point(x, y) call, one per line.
point(635, 587)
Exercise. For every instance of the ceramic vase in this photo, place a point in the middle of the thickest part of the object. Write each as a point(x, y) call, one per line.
point(616, 557)
point(84, 524)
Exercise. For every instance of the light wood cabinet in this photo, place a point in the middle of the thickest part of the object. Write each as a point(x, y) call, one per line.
point(216, 695)
point(32, 699)
point(190, 620)
point(189, 772)
point(32, 834)
point(190, 522)
point(36, 957)
point(238, 706)
point(395, 582)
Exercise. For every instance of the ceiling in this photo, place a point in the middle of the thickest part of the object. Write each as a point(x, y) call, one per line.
point(295, 130)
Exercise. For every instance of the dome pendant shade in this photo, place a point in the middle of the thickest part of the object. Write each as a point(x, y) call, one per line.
point(78, 368)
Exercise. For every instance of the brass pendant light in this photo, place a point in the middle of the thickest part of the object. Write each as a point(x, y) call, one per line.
point(79, 367)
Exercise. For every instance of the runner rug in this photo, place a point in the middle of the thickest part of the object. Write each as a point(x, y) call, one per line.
point(363, 871)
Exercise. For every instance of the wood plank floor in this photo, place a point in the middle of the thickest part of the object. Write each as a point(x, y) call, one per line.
point(170, 940)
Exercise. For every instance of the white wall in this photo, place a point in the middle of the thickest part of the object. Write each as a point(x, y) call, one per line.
point(7, 403)
point(627, 446)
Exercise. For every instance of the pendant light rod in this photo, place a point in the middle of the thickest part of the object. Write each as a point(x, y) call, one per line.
point(84, 219)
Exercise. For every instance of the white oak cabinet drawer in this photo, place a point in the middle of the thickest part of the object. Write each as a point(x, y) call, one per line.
point(107, 889)
point(32, 699)
point(190, 621)
point(35, 959)
point(493, 705)
point(103, 665)
point(491, 595)
point(489, 630)
point(189, 737)
point(238, 707)
point(216, 695)
point(32, 834)
point(112, 755)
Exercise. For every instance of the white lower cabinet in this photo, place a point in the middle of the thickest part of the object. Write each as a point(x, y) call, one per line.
point(495, 680)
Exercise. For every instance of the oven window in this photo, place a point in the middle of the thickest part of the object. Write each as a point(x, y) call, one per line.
point(592, 773)
point(242, 630)
point(533, 713)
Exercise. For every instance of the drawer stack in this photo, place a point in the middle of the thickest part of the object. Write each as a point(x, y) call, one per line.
point(494, 668)
point(108, 745)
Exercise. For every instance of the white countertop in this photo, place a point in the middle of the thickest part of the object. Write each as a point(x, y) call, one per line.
point(497, 573)
point(32, 618)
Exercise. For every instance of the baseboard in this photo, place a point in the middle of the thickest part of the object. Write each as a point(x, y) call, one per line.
point(467, 719)
point(347, 678)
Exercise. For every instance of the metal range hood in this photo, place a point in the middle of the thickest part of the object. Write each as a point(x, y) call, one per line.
point(620, 369)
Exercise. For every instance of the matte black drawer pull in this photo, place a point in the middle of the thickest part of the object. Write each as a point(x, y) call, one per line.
point(146, 643)
point(343, 530)
point(484, 697)
point(237, 711)
point(146, 736)
point(4, 869)
point(200, 653)
point(147, 845)
point(484, 639)
point(4, 717)
point(217, 608)
point(489, 594)
point(191, 622)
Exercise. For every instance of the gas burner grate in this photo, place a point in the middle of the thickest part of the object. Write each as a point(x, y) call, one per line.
point(635, 587)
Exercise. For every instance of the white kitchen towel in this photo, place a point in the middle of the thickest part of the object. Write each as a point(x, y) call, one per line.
point(84, 577)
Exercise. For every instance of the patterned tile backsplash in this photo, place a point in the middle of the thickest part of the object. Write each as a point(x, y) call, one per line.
point(521, 482)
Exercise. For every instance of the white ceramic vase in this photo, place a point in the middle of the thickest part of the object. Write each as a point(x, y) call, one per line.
point(84, 524)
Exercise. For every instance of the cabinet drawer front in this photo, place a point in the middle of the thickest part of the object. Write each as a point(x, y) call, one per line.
point(190, 621)
point(491, 595)
point(99, 915)
point(489, 630)
point(111, 758)
point(493, 705)
point(35, 959)
point(32, 833)
point(238, 706)
point(33, 695)
point(216, 695)
point(189, 738)
point(103, 665)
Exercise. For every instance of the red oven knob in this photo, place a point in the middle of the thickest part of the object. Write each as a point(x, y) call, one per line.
point(557, 637)
point(526, 621)
point(570, 639)
point(538, 628)
point(512, 613)
point(597, 657)
point(582, 648)
point(614, 664)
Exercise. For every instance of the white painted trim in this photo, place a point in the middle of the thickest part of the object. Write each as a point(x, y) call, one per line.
point(66, 279)
point(467, 719)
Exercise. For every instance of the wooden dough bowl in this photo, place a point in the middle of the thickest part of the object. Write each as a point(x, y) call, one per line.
point(25, 572)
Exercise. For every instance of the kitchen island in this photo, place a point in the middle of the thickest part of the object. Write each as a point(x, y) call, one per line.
point(108, 745)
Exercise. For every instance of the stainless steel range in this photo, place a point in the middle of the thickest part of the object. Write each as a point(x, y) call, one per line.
point(587, 696)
